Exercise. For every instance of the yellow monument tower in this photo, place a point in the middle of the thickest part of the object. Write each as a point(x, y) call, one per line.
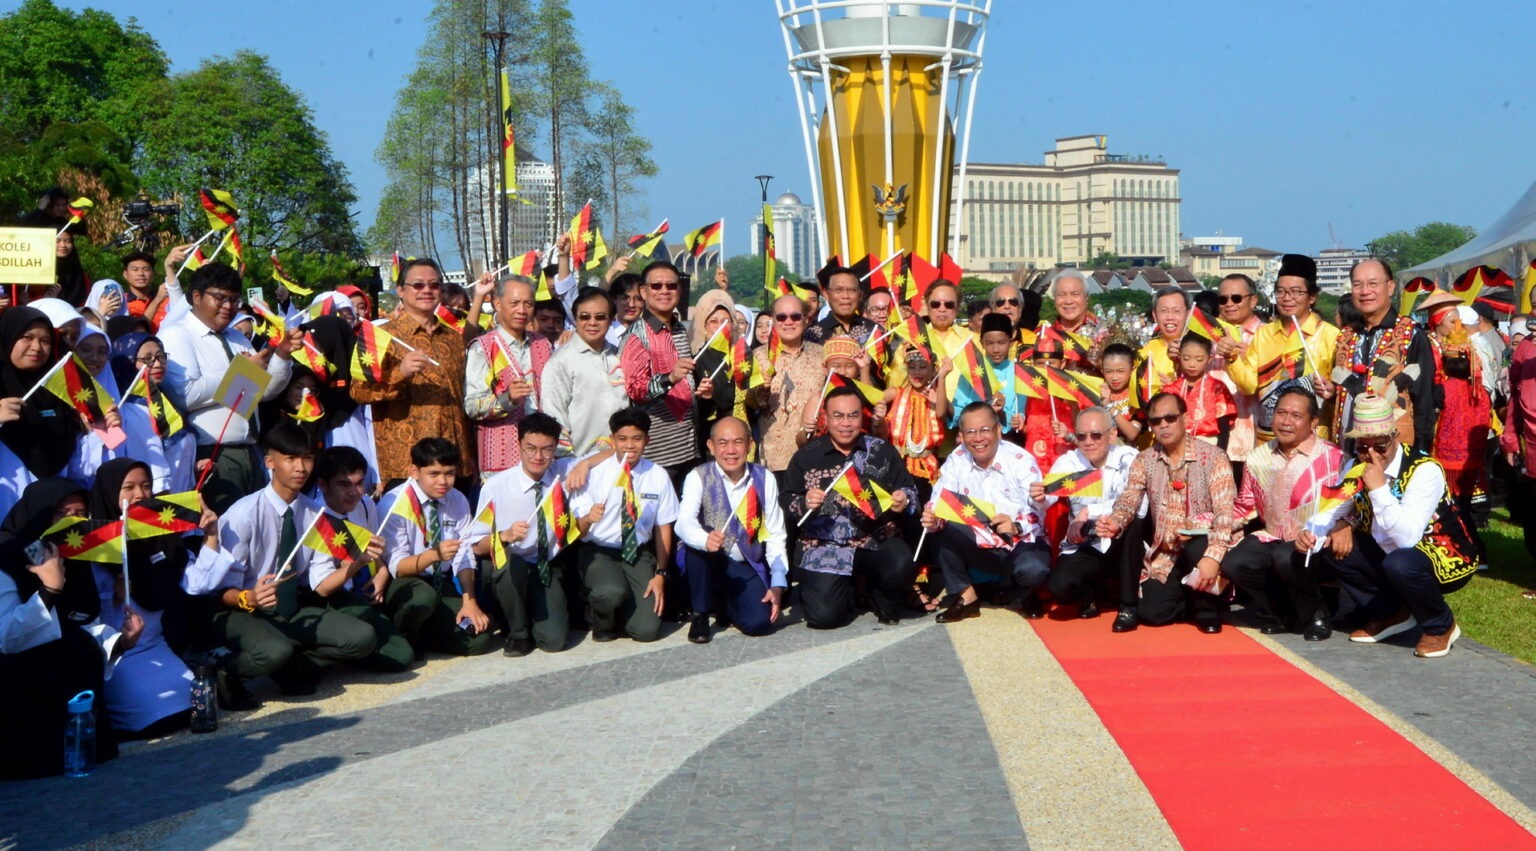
point(885, 92)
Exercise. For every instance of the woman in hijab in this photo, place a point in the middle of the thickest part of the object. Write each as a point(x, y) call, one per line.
point(149, 692)
point(158, 437)
point(38, 437)
point(715, 310)
point(94, 352)
point(104, 302)
point(52, 643)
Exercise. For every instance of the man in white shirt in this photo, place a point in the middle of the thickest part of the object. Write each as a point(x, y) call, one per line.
point(357, 587)
point(529, 587)
point(1010, 542)
point(1411, 546)
point(200, 346)
point(628, 501)
point(583, 383)
point(264, 612)
point(747, 567)
point(1085, 557)
point(428, 538)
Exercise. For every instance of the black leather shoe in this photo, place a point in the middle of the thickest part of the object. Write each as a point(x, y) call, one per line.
point(699, 632)
point(1318, 629)
point(1126, 620)
point(960, 611)
point(603, 636)
point(1088, 610)
point(1032, 607)
point(1273, 628)
point(1210, 628)
point(232, 694)
point(887, 618)
point(518, 647)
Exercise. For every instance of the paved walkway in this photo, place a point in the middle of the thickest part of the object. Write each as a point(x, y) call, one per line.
point(886, 737)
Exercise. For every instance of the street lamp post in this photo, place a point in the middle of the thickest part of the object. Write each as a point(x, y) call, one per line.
point(762, 237)
point(498, 40)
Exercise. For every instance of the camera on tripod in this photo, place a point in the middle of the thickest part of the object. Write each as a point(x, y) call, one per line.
point(142, 216)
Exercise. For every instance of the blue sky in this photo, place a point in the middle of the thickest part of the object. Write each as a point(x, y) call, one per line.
point(1283, 117)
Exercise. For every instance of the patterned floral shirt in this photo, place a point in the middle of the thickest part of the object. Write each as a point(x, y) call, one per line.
point(427, 404)
point(1194, 491)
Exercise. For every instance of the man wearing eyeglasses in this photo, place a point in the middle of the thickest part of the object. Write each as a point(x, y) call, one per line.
point(1238, 296)
point(201, 344)
point(1294, 350)
point(658, 371)
point(1189, 493)
point(1086, 558)
point(840, 538)
point(1387, 353)
point(583, 384)
point(497, 403)
point(1409, 545)
point(843, 291)
point(1011, 542)
point(423, 390)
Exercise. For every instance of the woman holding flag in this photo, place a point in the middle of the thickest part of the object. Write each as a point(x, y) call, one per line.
point(715, 362)
point(38, 431)
point(157, 434)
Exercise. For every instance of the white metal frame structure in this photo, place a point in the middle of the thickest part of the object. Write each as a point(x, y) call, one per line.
point(817, 33)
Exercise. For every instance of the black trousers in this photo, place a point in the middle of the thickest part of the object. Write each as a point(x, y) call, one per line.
point(828, 601)
point(1166, 602)
point(1381, 583)
point(1081, 575)
point(1276, 577)
point(958, 555)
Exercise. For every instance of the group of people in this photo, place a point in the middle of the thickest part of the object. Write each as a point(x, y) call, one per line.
point(494, 467)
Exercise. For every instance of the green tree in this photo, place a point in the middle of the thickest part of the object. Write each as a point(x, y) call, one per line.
point(746, 271)
point(561, 88)
point(1136, 300)
point(1404, 249)
point(614, 158)
point(233, 124)
point(1108, 260)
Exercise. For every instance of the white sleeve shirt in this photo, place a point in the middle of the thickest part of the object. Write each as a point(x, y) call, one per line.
point(322, 565)
point(1399, 523)
point(249, 534)
point(1117, 473)
point(512, 492)
point(1004, 483)
point(653, 492)
point(197, 364)
point(691, 531)
point(403, 538)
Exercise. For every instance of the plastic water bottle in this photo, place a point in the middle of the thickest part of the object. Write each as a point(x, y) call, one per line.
point(80, 736)
point(205, 701)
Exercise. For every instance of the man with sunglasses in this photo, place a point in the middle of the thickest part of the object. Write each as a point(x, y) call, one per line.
point(1189, 493)
point(1237, 296)
point(658, 371)
point(1013, 543)
point(786, 402)
point(1086, 558)
point(200, 345)
point(1281, 482)
point(1410, 546)
point(843, 291)
point(583, 384)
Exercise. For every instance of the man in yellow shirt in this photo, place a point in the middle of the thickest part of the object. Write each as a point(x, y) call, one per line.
point(1296, 348)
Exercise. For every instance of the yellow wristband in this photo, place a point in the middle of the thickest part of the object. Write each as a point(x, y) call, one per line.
point(244, 602)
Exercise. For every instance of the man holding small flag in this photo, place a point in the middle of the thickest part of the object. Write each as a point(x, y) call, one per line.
point(1294, 350)
point(503, 372)
point(1001, 536)
point(851, 491)
point(732, 528)
point(1089, 479)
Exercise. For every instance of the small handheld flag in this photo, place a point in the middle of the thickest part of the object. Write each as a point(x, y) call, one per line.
point(337, 537)
point(867, 496)
point(1084, 483)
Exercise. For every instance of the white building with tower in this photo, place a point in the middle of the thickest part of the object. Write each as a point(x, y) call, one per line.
point(795, 235)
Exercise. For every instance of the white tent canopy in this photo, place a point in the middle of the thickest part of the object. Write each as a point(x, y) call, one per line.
point(1508, 244)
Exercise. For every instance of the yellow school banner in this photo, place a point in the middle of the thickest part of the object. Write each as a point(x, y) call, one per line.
point(27, 256)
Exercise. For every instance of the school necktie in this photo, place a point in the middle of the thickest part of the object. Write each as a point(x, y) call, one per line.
point(288, 591)
point(628, 538)
point(435, 537)
point(543, 564)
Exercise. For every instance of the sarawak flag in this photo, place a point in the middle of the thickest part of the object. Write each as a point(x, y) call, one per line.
point(310, 356)
point(966, 510)
point(237, 250)
point(774, 346)
point(500, 364)
point(558, 519)
point(871, 396)
point(698, 242)
point(394, 269)
point(1075, 387)
point(163, 416)
point(1205, 326)
point(645, 243)
point(220, 207)
point(974, 372)
point(508, 140)
point(749, 514)
point(78, 208)
point(770, 255)
point(337, 537)
point(741, 364)
point(196, 260)
point(269, 324)
point(1029, 381)
point(1331, 496)
point(1282, 368)
point(866, 496)
point(1084, 483)
point(310, 408)
point(923, 275)
point(526, 265)
point(581, 235)
point(450, 318)
point(81, 539)
point(408, 505)
point(949, 270)
point(498, 546)
point(77, 387)
point(1074, 347)
point(719, 342)
point(368, 355)
point(171, 514)
point(599, 251)
point(281, 277)
point(780, 289)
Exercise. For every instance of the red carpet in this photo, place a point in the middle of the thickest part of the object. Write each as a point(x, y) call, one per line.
point(1240, 749)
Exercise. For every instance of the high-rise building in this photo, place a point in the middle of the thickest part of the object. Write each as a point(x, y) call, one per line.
point(1333, 265)
point(533, 225)
point(1082, 202)
point(794, 235)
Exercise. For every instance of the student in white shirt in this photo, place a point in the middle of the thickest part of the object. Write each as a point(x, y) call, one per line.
point(355, 587)
point(261, 607)
point(428, 545)
point(751, 568)
point(626, 580)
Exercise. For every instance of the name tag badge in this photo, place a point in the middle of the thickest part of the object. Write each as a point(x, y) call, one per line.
point(45, 412)
point(650, 496)
point(157, 558)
